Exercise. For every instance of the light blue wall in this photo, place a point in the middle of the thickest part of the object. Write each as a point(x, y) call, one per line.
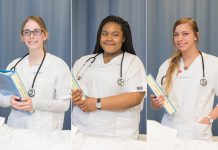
point(87, 15)
point(161, 16)
point(55, 13)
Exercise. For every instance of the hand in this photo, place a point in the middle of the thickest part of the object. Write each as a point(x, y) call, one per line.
point(24, 104)
point(89, 105)
point(205, 121)
point(157, 102)
point(77, 97)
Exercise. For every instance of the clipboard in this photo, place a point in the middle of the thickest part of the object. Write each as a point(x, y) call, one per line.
point(75, 86)
point(11, 84)
point(169, 108)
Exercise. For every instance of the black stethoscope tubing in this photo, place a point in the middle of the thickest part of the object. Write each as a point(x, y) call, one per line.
point(120, 81)
point(203, 81)
point(31, 92)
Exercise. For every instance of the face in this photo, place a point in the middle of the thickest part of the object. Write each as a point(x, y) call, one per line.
point(184, 38)
point(111, 38)
point(33, 36)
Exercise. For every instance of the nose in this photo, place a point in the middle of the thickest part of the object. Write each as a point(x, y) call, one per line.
point(180, 37)
point(109, 37)
point(31, 35)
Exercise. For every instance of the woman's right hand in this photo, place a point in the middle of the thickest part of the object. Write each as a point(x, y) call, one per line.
point(156, 102)
point(76, 97)
point(24, 104)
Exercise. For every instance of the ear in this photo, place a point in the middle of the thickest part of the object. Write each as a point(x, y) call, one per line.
point(198, 35)
point(46, 36)
point(123, 39)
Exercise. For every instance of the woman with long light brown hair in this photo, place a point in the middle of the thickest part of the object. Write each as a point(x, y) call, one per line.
point(190, 80)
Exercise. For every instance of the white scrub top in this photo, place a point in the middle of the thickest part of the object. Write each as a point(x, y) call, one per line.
point(100, 80)
point(4, 100)
point(192, 101)
point(52, 97)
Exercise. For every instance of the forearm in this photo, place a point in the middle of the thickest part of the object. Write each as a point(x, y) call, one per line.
point(122, 101)
point(5, 101)
point(214, 113)
point(51, 105)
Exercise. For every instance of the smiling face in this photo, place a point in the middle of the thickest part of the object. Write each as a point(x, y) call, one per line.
point(33, 35)
point(185, 38)
point(111, 39)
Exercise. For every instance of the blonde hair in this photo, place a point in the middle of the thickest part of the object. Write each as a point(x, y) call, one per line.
point(176, 56)
point(40, 22)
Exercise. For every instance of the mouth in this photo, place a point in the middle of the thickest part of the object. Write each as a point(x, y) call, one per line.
point(181, 44)
point(109, 44)
point(32, 42)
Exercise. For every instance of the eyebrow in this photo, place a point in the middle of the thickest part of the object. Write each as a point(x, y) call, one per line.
point(32, 30)
point(111, 32)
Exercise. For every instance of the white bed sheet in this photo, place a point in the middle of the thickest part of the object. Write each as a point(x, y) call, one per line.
point(164, 138)
point(25, 139)
point(159, 138)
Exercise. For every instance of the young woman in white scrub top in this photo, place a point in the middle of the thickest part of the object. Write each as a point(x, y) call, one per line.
point(113, 81)
point(45, 77)
point(190, 79)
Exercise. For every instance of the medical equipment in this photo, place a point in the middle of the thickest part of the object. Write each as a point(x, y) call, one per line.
point(31, 92)
point(120, 80)
point(203, 80)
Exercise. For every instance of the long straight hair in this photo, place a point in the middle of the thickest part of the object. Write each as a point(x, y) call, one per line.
point(176, 56)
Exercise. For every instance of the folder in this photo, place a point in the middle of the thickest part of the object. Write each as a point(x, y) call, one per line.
point(169, 108)
point(75, 86)
point(11, 84)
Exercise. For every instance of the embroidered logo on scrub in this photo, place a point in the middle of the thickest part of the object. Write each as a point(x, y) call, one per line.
point(139, 88)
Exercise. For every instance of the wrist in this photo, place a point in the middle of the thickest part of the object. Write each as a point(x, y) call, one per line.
point(98, 104)
point(210, 119)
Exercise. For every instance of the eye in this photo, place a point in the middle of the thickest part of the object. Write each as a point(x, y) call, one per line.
point(104, 34)
point(115, 34)
point(26, 32)
point(37, 32)
point(175, 34)
point(186, 33)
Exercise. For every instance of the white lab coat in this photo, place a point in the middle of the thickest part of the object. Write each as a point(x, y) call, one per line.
point(192, 101)
point(100, 80)
point(52, 97)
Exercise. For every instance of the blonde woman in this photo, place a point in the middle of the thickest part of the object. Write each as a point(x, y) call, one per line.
point(190, 80)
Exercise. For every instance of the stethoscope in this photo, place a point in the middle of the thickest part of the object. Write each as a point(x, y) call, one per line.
point(120, 80)
point(203, 80)
point(31, 92)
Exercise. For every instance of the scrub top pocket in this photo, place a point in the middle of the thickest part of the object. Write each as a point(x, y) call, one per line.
point(202, 131)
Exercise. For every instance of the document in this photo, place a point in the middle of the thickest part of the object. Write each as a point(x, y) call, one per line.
point(169, 108)
point(11, 84)
point(75, 86)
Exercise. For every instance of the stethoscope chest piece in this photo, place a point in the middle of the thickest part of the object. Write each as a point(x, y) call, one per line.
point(79, 78)
point(31, 92)
point(203, 82)
point(120, 82)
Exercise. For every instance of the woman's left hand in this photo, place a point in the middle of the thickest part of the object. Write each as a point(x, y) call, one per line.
point(89, 105)
point(28, 105)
